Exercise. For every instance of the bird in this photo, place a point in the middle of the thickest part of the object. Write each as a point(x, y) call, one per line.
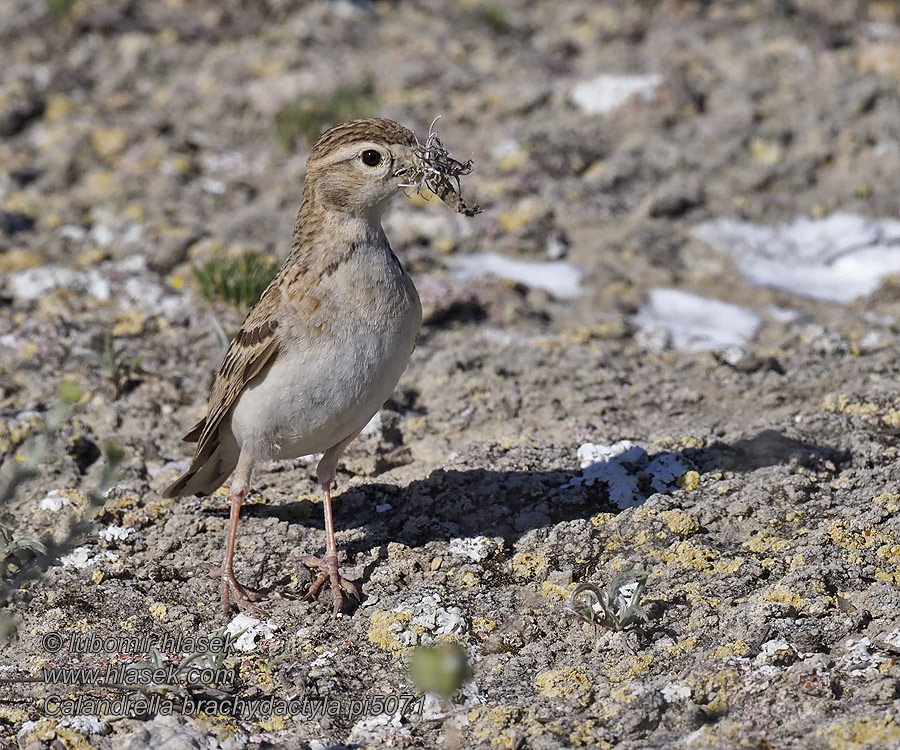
point(324, 346)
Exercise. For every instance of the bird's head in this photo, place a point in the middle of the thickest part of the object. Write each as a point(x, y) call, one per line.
point(358, 166)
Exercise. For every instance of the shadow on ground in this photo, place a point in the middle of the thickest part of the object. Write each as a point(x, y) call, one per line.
point(449, 503)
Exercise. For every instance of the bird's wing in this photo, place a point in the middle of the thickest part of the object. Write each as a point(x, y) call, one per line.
point(253, 347)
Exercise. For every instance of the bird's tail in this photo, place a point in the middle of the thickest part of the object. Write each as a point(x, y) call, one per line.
point(205, 478)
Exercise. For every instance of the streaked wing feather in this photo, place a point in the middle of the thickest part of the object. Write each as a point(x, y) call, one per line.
point(193, 434)
point(252, 348)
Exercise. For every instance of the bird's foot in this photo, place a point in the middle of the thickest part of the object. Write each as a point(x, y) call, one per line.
point(233, 590)
point(328, 567)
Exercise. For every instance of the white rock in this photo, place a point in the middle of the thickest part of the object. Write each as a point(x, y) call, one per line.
point(322, 659)
point(85, 724)
point(559, 278)
point(34, 282)
point(72, 232)
point(623, 465)
point(80, 557)
point(694, 323)
point(838, 258)
point(606, 93)
point(476, 548)
point(675, 692)
point(252, 629)
point(214, 187)
point(783, 314)
point(55, 502)
point(117, 533)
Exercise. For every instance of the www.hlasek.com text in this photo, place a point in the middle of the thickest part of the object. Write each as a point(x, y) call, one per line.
point(140, 674)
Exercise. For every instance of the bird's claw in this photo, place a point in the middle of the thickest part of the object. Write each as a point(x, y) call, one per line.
point(233, 590)
point(328, 567)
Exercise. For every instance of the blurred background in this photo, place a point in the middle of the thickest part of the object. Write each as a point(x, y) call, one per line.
point(603, 134)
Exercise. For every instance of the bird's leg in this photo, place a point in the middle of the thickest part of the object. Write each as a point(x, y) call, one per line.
point(243, 596)
point(231, 588)
point(328, 564)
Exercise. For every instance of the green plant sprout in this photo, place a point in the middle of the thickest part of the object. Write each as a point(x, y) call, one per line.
point(615, 607)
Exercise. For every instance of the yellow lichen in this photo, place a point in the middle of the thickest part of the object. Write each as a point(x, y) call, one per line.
point(564, 683)
point(680, 522)
point(109, 142)
point(889, 553)
point(717, 688)
point(766, 151)
point(732, 648)
point(469, 579)
point(863, 732)
point(47, 733)
point(677, 649)
point(689, 481)
point(384, 628)
point(58, 107)
point(529, 565)
point(483, 624)
point(623, 670)
point(601, 518)
point(643, 513)
point(13, 715)
point(688, 441)
point(695, 596)
point(889, 500)
point(274, 723)
point(641, 537)
point(881, 574)
point(841, 404)
point(765, 542)
point(158, 611)
point(491, 724)
point(850, 540)
point(582, 736)
point(129, 323)
point(19, 260)
point(555, 592)
point(521, 216)
point(780, 593)
point(613, 543)
point(688, 555)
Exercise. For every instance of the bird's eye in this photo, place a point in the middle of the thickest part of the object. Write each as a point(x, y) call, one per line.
point(370, 157)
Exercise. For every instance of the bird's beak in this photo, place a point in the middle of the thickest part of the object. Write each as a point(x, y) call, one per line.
point(430, 166)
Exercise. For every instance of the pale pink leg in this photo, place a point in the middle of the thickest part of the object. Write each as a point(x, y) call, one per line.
point(328, 564)
point(231, 588)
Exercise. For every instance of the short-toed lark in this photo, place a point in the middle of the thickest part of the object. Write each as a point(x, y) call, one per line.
point(324, 346)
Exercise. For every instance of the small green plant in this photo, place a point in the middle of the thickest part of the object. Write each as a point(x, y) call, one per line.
point(492, 16)
point(439, 669)
point(617, 606)
point(25, 559)
point(239, 281)
point(119, 371)
point(311, 114)
point(59, 8)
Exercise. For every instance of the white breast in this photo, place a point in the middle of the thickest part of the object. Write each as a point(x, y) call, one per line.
point(322, 389)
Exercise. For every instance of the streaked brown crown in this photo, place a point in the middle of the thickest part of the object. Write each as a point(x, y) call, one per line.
point(376, 129)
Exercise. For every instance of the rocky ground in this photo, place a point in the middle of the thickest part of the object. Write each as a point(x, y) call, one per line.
point(761, 491)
